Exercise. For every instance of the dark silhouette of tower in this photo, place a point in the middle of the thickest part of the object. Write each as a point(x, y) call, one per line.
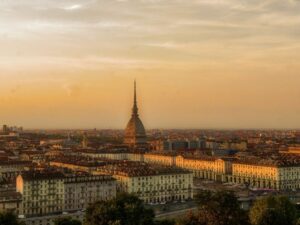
point(135, 134)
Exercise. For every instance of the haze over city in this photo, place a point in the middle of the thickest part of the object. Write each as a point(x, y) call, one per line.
point(198, 63)
point(149, 112)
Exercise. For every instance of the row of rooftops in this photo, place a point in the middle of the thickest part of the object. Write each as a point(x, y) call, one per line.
point(125, 168)
point(78, 161)
point(130, 168)
point(15, 163)
point(57, 175)
point(103, 151)
point(282, 160)
point(137, 169)
point(262, 159)
point(275, 160)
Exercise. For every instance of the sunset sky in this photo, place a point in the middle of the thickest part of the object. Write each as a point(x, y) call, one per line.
point(198, 63)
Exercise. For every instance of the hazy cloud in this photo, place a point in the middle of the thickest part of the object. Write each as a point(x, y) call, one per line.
point(73, 7)
point(220, 55)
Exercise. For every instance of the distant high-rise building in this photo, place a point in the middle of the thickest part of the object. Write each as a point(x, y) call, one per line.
point(84, 142)
point(8, 129)
point(135, 134)
point(5, 129)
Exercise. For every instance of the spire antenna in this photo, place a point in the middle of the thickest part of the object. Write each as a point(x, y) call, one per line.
point(135, 134)
point(135, 108)
point(135, 101)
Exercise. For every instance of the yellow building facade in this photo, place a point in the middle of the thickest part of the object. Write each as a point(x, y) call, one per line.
point(282, 173)
point(158, 188)
point(152, 184)
point(41, 194)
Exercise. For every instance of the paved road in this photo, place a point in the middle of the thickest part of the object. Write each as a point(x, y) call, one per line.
point(174, 214)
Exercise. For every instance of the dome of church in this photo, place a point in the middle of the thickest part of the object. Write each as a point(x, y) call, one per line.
point(135, 127)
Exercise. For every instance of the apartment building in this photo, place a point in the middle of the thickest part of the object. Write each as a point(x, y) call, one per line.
point(83, 190)
point(48, 193)
point(279, 174)
point(152, 184)
point(42, 193)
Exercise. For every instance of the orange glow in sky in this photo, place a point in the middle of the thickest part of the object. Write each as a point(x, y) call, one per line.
point(198, 63)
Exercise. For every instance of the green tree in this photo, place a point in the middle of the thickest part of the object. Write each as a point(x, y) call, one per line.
point(219, 208)
point(8, 218)
point(190, 219)
point(270, 217)
point(275, 210)
point(67, 221)
point(125, 209)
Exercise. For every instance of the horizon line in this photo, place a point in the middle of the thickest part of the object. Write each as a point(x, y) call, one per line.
point(174, 128)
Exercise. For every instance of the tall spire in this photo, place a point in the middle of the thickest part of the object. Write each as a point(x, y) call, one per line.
point(135, 108)
point(135, 134)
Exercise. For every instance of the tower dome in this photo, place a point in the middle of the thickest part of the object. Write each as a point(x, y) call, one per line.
point(135, 134)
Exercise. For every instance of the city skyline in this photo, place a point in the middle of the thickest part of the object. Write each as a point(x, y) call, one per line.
point(109, 125)
point(149, 112)
point(218, 64)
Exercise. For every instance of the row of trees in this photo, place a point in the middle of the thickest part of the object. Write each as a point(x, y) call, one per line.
point(215, 208)
point(9, 219)
point(222, 208)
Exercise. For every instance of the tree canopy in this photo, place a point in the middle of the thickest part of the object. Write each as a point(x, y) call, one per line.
point(125, 209)
point(219, 208)
point(9, 218)
point(275, 210)
point(67, 221)
point(190, 219)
